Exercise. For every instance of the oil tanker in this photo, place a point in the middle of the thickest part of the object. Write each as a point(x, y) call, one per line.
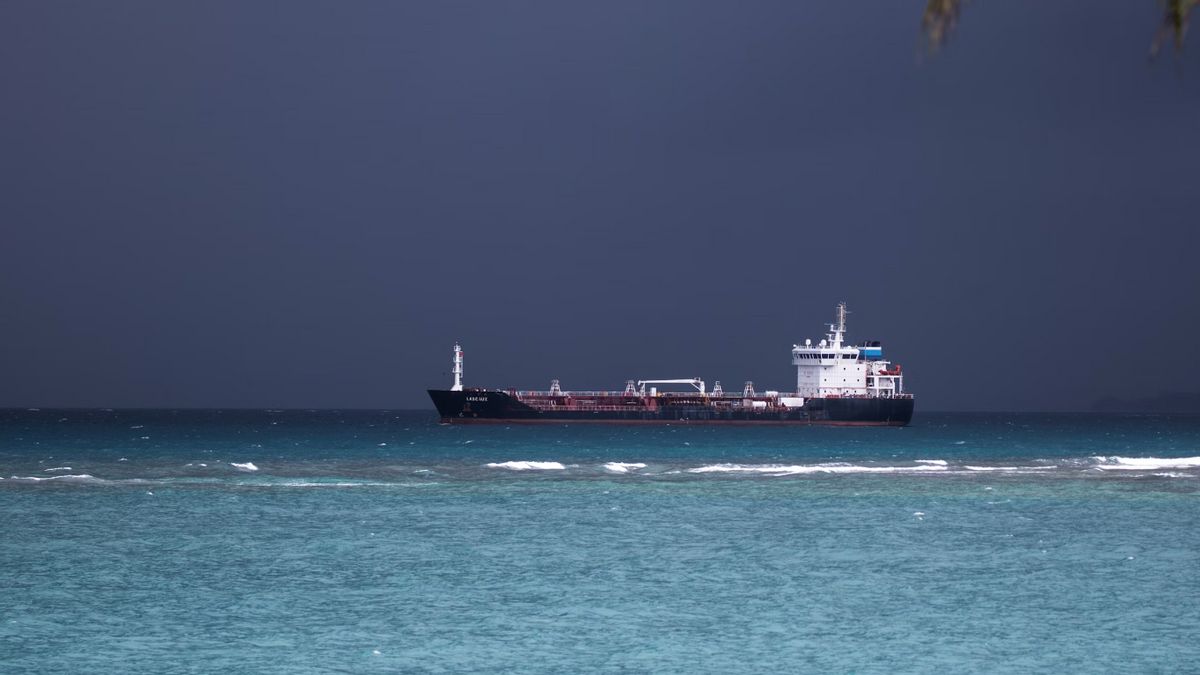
point(836, 384)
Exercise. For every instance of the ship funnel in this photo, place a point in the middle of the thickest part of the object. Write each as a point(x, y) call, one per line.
point(554, 388)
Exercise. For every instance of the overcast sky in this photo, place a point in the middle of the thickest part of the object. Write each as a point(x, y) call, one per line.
point(304, 204)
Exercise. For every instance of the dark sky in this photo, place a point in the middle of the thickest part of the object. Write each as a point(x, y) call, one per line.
point(304, 204)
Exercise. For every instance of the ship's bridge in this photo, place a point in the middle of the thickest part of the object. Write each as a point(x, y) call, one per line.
point(831, 368)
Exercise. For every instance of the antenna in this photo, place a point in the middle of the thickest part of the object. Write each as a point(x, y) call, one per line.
point(458, 368)
point(838, 330)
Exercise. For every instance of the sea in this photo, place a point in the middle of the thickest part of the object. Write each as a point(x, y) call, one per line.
point(326, 541)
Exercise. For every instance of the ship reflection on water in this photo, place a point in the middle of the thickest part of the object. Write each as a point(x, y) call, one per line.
point(941, 16)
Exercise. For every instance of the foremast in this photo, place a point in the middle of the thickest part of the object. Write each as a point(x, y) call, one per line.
point(458, 368)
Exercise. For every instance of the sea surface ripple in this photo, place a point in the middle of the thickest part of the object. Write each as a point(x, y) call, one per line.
point(380, 541)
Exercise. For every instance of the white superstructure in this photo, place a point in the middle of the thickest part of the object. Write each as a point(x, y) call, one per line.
point(830, 368)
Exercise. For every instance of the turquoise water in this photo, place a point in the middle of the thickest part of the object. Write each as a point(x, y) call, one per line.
point(260, 541)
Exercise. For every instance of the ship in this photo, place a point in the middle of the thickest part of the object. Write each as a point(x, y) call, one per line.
point(836, 384)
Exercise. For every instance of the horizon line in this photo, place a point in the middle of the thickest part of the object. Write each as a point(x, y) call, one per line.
point(34, 408)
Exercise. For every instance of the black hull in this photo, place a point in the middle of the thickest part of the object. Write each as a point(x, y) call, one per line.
point(486, 405)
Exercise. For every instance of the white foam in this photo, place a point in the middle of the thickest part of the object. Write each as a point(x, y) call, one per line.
point(335, 485)
point(65, 477)
point(834, 467)
point(58, 468)
point(932, 462)
point(316, 484)
point(623, 467)
point(1009, 468)
point(1146, 463)
point(244, 466)
point(527, 466)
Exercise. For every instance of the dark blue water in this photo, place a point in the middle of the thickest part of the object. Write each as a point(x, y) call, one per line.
point(260, 541)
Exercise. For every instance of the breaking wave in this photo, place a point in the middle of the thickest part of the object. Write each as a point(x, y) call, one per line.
point(833, 467)
point(527, 466)
point(264, 482)
point(1011, 469)
point(65, 478)
point(358, 474)
point(1146, 463)
point(623, 467)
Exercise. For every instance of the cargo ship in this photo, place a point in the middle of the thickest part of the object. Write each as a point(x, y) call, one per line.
point(836, 384)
